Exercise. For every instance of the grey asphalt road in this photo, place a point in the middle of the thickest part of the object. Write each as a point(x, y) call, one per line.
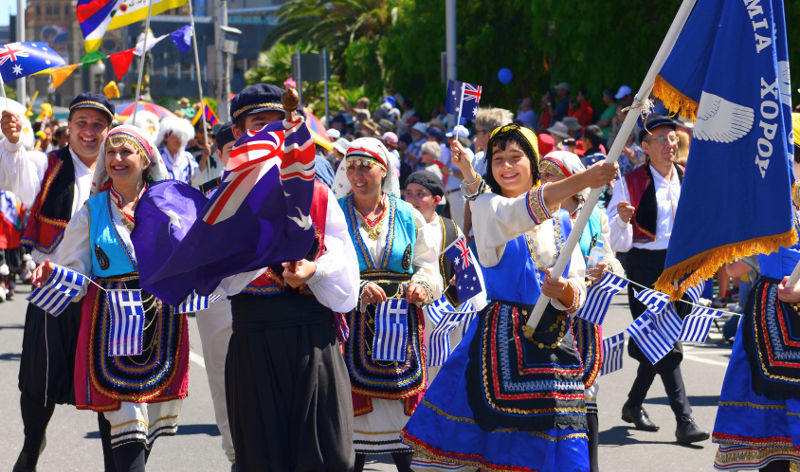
point(73, 441)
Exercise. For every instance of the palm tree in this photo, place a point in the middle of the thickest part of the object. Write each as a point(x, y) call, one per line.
point(334, 24)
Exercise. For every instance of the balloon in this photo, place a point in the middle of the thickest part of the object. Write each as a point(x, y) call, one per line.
point(504, 75)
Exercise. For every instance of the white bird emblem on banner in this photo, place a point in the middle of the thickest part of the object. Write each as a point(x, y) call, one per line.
point(721, 120)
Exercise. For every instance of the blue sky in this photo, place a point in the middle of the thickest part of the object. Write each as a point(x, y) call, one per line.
point(5, 6)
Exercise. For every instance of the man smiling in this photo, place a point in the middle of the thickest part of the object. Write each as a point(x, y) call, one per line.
point(55, 186)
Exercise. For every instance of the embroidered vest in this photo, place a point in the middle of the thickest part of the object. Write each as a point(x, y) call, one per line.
point(591, 233)
point(271, 282)
point(515, 279)
point(52, 208)
point(449, 234)
point(642, 193)
point(110, 256)
point(401, 236)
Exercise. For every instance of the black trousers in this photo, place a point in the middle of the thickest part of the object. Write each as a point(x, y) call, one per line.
point(644, 267)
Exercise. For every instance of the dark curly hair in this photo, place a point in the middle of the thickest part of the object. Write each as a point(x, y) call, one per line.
point(501, 139)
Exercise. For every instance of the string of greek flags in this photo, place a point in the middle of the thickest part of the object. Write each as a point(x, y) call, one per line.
point(127, 318)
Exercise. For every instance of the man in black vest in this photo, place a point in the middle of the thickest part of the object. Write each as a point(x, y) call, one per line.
point(55, 187)
point(641, 214)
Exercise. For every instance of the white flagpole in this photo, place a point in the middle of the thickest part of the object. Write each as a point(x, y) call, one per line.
point(460, 107)
point(199, 77)
point(3, 91)
point(141, 60)
point(613, 155)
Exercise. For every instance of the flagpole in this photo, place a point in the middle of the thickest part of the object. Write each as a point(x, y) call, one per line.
point(460, 107)
point(141, 60)
point(199, 78)
point(619, 141)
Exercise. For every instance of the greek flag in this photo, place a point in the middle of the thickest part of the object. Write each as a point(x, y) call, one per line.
point(439, 343)
point(391, 331)
point(696, 292)
point(598, 298)
point(613, 353)
point(195, 303)
point(654, 301)
point(58, 290)
point(697, 325)
point(127, 322)
point(669, 323)
point(649, 337)
point(437, 309)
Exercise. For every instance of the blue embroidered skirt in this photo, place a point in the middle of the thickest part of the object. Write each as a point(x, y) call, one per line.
point(759, 421)
point(513, 407)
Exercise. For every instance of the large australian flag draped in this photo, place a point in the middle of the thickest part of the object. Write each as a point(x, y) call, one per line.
point(729, 72)
point(259, 216)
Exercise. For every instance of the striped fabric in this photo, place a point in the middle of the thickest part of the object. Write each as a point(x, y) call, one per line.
point(58, 290)
point(669, 323)
point(697, 325)
point(598, 298)
point(654, 301)
point(613, 353)
point(649, 337)
point(127, 322)
point(437, 309)
point(195, 303)
point(440, 337)
point(391, 331)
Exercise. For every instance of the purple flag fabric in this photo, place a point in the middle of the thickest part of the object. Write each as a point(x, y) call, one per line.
point(258, 217)
point(182, 37)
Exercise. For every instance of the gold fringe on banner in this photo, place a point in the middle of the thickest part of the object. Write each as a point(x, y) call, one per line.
point(674, 100)
point(703, 266)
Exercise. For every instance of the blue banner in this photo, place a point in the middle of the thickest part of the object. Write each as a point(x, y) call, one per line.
point(729, 71)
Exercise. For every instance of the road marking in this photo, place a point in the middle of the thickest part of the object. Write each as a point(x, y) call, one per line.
point(704, 360)
point(197, 359)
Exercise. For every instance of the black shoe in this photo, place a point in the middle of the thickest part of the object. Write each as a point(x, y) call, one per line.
point(638, 416)
point(688, 432)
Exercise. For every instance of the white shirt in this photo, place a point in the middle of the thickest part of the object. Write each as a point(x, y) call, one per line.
point(22, 173)
point(181, 166)
point(335, 284)
point(667, 195)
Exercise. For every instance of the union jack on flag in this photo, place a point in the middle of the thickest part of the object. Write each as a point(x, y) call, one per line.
point(463, 98)
point(468, 281)
point(26, 58)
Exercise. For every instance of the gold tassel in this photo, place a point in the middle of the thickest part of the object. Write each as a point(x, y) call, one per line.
point(674, 100)
point(704, 265)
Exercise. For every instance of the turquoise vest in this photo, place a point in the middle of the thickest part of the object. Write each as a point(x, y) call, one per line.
point(515, 278)
point(591, 233)
point(398, 254)
point(110, 257)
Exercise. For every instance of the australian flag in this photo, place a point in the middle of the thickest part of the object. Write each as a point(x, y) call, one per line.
point(391, 331)
point(468, 279)
point(259, 216)
point(127, 322)
point(463, 98)
point(23, 59)
point(57, 292)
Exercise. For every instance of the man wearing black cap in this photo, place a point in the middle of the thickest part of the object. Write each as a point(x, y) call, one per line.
point(287, 386)
point(641, 214)
point(55, 187)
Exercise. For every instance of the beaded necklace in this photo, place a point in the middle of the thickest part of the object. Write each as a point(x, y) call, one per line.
point(373, 226)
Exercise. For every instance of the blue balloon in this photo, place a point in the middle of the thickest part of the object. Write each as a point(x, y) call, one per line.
point(504, 75)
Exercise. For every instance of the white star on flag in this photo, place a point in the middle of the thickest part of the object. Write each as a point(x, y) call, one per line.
point(17, 69)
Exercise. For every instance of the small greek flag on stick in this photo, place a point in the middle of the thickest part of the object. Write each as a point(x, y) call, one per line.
point(669, 323)
point(654, 301)
point(649, 337)
point(127, 322)
point(391, 331)
point(195, 303)
point(697, 325)
point(438, 308)
point(598, 298)
point(58, 290)
point(440, 338)
point(613, 353)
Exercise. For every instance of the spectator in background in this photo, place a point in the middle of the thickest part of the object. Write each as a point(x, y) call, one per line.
point(437, 135)
point(546, 117)
point(61, 137)
point(573, 126)
point(592, 142)
point(360, 111)
point(624, 95)
point(631, 156)
point(682, 154)
point(562, 107)
point(452, 187)
point(409, 112)
point(429, 154)
point(337, 154)
point(584, 111)
point(419, 132)
point(174, 135)
point(526, 116)
point(608, 113)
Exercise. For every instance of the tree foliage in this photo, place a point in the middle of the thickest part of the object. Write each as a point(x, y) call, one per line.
point(397, 44)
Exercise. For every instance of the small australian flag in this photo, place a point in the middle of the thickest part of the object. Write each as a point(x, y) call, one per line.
point(463, 98)
point(26, 58)
point(468, 281)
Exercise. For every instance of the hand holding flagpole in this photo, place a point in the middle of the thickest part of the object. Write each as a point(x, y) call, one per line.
point(639, 101)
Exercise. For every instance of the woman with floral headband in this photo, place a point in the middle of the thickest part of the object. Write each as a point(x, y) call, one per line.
point(140, 395)
point(397, 260)
point(510, 397)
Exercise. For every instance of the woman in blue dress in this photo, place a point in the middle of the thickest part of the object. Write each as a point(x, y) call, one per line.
point(511, 397)
point(758, 417)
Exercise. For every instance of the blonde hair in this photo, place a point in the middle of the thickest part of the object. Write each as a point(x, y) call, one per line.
point(432, 148)
point(490, 118)
point(682, 154)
